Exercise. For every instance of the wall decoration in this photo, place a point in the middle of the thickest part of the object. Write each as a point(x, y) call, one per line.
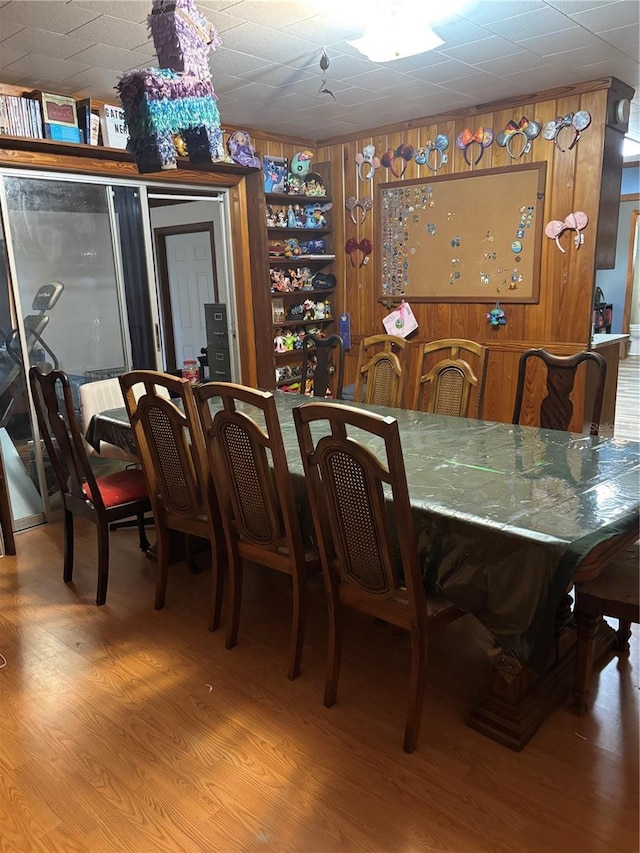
point(178, 96)
point(358, 208)
point(574, 122)
point(471, 237)
point(574, 222)
point(397, 160)
point(483, 137)
point(364, 248)
point(432, 155)
point(367, 163)
point(242, 151)
point(496, 316)
point(524, 131)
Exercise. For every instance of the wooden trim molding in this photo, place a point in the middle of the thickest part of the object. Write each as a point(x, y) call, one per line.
point(632, 251)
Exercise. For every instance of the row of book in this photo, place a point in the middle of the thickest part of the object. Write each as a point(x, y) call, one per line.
point(21, 116)
point(38, 115)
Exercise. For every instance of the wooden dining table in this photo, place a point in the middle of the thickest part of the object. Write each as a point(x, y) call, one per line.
point(507, 518)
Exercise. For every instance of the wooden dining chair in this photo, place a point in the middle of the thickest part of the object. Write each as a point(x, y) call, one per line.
point(174, 461)
point(366, 537)
point(323, 364)
point(380, 373)
point(256, 497)
point(448, 381)
point(554, 410)
point(614, 592)
point(100, 499)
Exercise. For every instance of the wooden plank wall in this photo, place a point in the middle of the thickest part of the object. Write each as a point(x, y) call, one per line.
point(561, 321)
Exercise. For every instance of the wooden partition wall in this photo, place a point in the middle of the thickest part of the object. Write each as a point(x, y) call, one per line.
point(561, 320)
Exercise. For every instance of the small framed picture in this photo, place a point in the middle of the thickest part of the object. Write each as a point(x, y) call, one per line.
point(276, 171)
point(277, 310)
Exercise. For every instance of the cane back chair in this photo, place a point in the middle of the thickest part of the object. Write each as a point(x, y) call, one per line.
point(380, 373)
point(361, 531)
point(451, 383)
point(256, 497)
point(174, 461)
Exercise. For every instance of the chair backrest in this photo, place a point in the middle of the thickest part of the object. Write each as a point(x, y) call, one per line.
point(360, 529)
point(323, 362)
point(446, 387)
point(380, 373)
point(171, 446)
point(246, 451)
point(555, 409)
point(60, 431)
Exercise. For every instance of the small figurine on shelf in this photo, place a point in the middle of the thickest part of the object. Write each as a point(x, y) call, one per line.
point(289, 340)
point(291, 217)
point(281, 219)
point(242, 150)
point(315, 217)
point(294, 185)
point(271, 218)
point(320, 310)
point(309, 309)
point(299, 339)
point(291, 247)
point(279, 343)
point(280, 283)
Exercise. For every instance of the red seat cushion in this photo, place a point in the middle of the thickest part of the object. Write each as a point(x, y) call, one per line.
point(122, 487)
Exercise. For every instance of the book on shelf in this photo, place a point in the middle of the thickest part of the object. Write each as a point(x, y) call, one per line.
point(19, 116)
point(114, 128)
point(88, 121)
point(59, 116)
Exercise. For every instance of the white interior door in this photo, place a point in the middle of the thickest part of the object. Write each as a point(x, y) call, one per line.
point(191, 285)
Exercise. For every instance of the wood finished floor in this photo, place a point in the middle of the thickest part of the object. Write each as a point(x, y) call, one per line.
point(627, 423)
point(127, 729)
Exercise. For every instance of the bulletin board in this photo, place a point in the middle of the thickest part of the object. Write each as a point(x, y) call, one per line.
point(469, 237)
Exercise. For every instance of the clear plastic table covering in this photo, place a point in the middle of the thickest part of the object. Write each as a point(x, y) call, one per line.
point(503, 514)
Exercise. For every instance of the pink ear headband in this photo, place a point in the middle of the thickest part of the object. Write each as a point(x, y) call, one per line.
point(574, 221)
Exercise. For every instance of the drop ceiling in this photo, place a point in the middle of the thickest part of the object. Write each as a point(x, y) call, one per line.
point(267, 74)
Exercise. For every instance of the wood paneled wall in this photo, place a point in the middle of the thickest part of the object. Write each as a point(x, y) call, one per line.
point(561, 320)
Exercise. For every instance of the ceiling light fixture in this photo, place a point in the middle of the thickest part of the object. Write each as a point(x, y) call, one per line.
point(382, 44)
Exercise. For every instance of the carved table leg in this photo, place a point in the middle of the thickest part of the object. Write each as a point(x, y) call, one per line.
point(587, 627)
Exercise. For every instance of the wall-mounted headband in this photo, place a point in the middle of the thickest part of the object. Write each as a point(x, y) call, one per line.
point(432, 155)
point(362, 205)
point(574, 221)
point(352, 247)
point(397, 160)
point(576, 122)
point(482, 137)
point(524, 130)
point(367, 163)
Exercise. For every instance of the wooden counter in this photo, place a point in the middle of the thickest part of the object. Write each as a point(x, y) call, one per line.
point(610, 348)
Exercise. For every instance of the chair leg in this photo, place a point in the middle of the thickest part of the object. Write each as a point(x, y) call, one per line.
point(334, 653)
point(144, 542)
point(298, 581)
point(587, 628)
point(217, 586)
point(67, 572)
point(623, 635)
point(234, 599)
point(416, 689)
point(162, 565)
point(103, 563)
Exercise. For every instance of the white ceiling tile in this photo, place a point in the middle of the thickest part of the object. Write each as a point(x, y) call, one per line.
point(451, 69)
point(9, 55)
point(459, 32)
point(325, 29)
point(103, 79)
point(540, 23)
point(53, 15)
point(584, 56)
point(558, 42)
point(46, 67)
point(233, 63)
point(282, 75)
point(129, 10)
point(31, 40)
point(610, 17)
point(114, 32)
point(345, 66)
point(274, 15)
point(547, 76)
point(104, 56)
point(380, 77)
point(626, 39)
point(523, 61)
point(571, 7)
point(481, 51)
point(623, 68)
point(498, 10)
point(8, 28)
point(268, 44)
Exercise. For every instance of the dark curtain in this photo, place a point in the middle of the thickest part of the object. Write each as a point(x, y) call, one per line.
point(129, 214)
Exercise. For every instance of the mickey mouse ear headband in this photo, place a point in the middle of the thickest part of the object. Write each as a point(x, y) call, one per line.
point(362, 205)
point(576, 122)
point(482, 137)
point(574, 221)
point(352, 247)
point(367, 163)
point(524, 131)
point(432, 155)
point(397, 160)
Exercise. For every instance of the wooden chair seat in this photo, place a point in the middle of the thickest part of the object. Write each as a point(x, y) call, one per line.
point(615, 593)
